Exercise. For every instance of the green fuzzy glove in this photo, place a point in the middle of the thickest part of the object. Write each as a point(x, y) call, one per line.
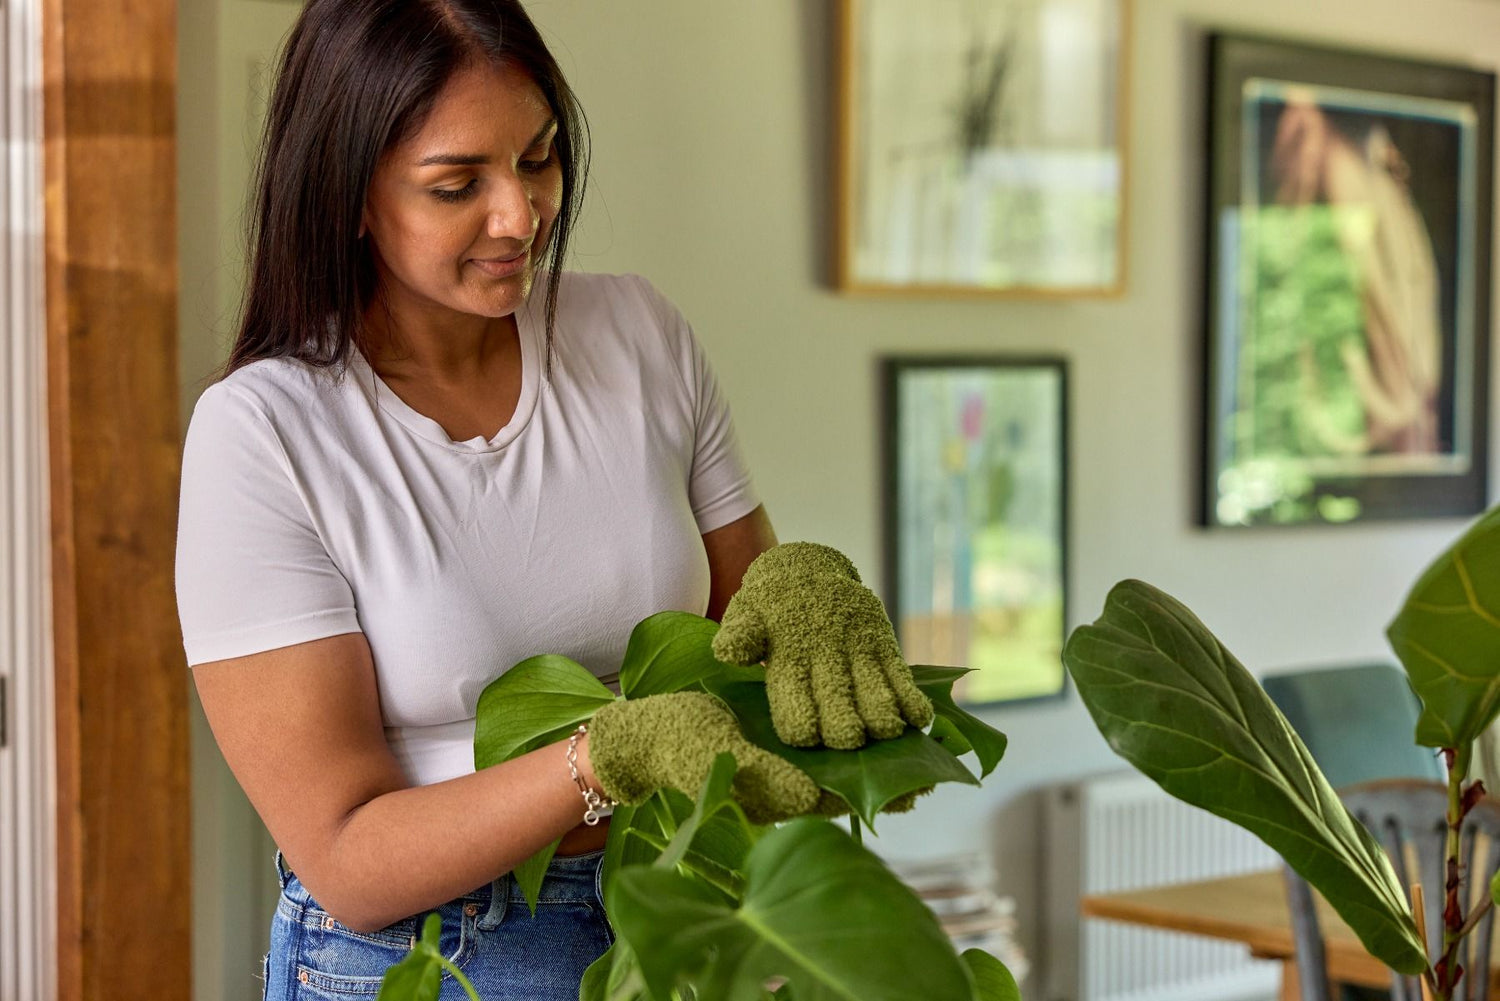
point(641, 745)
point(834, 671)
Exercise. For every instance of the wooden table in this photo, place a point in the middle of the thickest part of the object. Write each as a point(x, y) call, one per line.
point(1251, 909)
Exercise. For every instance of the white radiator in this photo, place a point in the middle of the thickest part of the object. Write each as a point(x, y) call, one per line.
point(1121, 832)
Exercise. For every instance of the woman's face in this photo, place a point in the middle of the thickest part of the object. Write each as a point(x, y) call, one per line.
point(459, 213)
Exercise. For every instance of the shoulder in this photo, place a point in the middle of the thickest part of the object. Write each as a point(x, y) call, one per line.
point(622, 296)
point(275, 398)
point(282, 388)
point(628, 307)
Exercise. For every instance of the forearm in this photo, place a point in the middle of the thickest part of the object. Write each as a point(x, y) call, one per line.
point(411, 849)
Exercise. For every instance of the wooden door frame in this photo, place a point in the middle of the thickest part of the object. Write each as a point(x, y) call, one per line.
point(123, 838)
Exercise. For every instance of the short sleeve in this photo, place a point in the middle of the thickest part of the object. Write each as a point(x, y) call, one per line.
point(720, 488)
point(252, 572)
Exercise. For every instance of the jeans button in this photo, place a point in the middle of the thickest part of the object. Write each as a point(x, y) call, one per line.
point(471, 910)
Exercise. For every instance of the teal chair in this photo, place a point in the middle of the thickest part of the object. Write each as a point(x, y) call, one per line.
point(1357, 722)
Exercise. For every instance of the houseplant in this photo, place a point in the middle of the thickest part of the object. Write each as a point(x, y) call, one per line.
point(1176, 704)
point(707, 905)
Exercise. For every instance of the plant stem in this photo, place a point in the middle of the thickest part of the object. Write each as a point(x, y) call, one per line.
point(855, 831)
point(1453, 915)
point(664, 816)
point(458, 975)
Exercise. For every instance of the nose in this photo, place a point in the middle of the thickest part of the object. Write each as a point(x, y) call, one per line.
point(512, 213)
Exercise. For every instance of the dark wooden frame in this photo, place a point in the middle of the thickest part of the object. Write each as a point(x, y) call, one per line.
point(891, 369)
point(1233, 59)
point(124, 861)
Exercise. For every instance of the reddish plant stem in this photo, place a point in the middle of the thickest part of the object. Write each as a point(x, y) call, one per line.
point(1461, 800)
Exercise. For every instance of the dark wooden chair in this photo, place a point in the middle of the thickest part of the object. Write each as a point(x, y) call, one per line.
point(1407, 817)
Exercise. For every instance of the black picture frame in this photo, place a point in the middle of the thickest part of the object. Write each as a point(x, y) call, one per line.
point(1347, 315)
point(975, 516)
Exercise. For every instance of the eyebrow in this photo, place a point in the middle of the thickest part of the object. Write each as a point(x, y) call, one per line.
point(475, 159)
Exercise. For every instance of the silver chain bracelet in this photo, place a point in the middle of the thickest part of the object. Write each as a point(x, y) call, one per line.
point(592, 801)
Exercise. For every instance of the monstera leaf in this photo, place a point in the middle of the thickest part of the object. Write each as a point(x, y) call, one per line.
point(1178, 706)
point(868, 778)
point(538, 702)
point(668, 652)
point(819, 911)
point(992, 981)
point(958, 729)
point(1447, 636)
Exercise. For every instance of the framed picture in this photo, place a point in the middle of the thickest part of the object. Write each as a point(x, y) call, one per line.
point(982, 147)
point(1348, 311)
point(976, 519)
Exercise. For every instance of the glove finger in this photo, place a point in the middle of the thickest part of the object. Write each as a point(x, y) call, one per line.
point(904, 802)
point(831, 804)
point(793, 711)
point(914, 703)
point(876, 700)
point(839, 721)
point(769, 788)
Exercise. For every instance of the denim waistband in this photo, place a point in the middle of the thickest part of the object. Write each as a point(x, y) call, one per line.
point(570, 879)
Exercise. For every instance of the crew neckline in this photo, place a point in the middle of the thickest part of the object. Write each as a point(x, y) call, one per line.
point(426, 428)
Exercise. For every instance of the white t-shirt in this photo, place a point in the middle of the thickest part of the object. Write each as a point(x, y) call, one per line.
point(315, 504)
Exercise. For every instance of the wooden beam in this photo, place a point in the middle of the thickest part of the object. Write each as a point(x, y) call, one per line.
point(111, 273)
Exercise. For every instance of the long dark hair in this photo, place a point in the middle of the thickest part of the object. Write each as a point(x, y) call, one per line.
point(356, 78)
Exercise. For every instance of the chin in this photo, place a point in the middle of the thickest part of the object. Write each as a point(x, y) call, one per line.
point(500, 300)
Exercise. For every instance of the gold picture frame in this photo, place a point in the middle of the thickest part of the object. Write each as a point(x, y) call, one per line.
point(996, 164)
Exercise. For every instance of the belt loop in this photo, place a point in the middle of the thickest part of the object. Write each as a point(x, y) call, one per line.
point(283, 874)
point(499, 899)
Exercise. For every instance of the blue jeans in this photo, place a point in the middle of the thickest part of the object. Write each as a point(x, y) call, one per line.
point(489, 934)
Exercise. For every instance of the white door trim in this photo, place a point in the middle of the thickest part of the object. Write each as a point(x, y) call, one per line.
point(28, 774)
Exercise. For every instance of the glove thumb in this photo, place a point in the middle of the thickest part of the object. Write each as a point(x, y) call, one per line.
point(742, 637)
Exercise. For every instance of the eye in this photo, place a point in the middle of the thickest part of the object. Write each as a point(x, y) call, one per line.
point(537, 166)
point(456, 194)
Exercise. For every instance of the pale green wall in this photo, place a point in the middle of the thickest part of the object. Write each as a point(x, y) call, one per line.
point(222, 48)
point(712, 123)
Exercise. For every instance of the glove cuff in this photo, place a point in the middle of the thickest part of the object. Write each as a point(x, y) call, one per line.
point(616, 763)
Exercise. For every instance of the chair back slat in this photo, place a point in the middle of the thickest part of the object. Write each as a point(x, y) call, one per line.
point(1406, 817)
point(1312, 964)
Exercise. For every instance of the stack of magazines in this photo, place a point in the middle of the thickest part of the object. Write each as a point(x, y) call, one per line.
point(960, 890)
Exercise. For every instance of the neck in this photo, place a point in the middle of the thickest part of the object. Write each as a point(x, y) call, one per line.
point(406, 344)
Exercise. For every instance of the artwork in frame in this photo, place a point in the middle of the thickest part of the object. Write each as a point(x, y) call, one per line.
point(976, 519)
point(1348, 309)
point(982, 146)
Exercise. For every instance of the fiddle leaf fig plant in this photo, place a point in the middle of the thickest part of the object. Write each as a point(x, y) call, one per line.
point(1176, 704)
point(1171, 700)
point(710, 907)
point(1447, 636)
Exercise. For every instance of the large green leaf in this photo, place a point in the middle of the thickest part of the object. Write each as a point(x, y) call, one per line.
point(620, 849)
point(538, 702)
point(419, 977)
point(818, 910)
point(987, 743)
point(637, 836)
point(1447, 636)
point(416, 978)
point(614, 976)
point(713, 797)
point(867, 778)
point(668, 652)
point(1178, 706)
point(992, 981)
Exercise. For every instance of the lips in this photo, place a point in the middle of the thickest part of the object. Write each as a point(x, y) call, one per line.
point(502, 267)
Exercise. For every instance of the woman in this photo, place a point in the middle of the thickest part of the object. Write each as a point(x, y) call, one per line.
point(417, 472)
